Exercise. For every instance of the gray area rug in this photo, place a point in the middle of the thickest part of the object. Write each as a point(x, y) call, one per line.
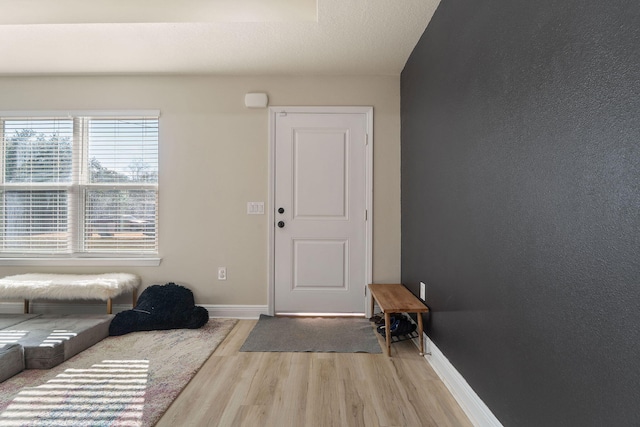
point(316, 334)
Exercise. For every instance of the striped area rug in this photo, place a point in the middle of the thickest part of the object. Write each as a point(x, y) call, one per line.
point(128, 380)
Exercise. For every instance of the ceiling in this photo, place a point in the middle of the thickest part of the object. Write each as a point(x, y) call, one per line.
point(356, 37)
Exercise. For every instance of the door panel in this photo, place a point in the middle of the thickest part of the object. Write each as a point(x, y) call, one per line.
point(320, 173)
point(320, 183)
point(308, 273)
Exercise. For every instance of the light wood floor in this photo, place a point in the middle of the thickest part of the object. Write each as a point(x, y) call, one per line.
point(313, 389)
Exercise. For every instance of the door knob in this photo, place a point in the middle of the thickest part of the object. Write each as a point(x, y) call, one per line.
point(281, 224)
point(281, 210)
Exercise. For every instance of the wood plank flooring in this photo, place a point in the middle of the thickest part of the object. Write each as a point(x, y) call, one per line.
point(313, 389)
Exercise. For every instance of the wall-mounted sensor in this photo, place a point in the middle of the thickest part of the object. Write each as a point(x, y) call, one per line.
point(256, 100)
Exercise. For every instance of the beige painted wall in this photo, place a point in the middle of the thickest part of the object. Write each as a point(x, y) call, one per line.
point(213, 160)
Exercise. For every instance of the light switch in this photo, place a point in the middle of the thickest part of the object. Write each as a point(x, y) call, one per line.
point(255, 208)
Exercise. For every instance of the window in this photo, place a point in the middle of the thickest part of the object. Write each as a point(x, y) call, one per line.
point(84, 185)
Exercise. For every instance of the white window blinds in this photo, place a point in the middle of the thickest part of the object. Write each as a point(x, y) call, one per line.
point(80, 185)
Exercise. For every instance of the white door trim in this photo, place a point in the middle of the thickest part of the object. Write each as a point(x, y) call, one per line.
point(273, 111)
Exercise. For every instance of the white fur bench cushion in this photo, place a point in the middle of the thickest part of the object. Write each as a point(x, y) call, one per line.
point(67, 286)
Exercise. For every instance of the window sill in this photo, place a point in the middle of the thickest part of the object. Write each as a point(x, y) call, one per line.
point(81, 262)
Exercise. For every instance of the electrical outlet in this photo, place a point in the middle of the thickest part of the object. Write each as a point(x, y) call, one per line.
point(222, 273)
point(423, 291)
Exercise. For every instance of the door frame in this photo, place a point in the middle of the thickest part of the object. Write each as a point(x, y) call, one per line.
point(273, 112)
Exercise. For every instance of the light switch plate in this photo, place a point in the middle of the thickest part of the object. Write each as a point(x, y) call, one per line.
point(423, 291)
point(255, 208)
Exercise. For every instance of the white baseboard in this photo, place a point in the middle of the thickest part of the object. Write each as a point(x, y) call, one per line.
point(475, 409)
point(236, 311)
point(217, 310)
point(61, 308)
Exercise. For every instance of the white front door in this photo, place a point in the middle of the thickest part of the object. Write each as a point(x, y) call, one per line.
point(320, 212)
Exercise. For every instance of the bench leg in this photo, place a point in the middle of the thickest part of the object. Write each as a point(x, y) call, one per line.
point(109, 306)
point(135, 297)
point(373, 307)
point(387, 327)
point(26, 306)
point(420, 331)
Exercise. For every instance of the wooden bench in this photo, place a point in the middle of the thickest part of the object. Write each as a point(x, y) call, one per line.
point(396, 298)
point(68, 287)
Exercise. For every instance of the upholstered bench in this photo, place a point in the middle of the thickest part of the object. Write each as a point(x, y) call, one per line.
point(69, 286)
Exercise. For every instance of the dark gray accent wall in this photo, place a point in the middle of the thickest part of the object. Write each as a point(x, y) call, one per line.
point(521, 203)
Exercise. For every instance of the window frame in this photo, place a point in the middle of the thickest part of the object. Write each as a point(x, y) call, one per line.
point(76, 192)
